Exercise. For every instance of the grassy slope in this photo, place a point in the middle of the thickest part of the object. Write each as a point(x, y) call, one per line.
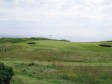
point(58, 62)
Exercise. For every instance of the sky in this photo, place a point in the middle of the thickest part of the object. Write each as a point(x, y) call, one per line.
point(75, 20)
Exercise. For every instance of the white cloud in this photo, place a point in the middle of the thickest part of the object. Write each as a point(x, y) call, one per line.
point(24, 1)
point(90, 9)
point(67, 17)
point(89, 2)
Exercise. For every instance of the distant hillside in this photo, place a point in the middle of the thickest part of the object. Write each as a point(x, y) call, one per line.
point(18, 40)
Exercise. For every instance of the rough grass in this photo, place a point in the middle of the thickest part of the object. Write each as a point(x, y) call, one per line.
point(61, 72)
point(58, 62)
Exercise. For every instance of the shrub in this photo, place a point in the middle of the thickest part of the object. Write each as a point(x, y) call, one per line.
point(6, 74)
point(12, 40)
point(38, 38)
point(64, 40)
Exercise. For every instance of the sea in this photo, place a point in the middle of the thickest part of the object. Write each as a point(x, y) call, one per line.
point(58, 37)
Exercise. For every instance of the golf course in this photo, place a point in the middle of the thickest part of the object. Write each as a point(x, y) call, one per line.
point(50, 61)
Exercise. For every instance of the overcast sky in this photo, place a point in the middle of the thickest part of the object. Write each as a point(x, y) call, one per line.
point(78, 20)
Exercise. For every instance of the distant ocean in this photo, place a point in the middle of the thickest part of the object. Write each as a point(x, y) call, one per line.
point(14, 36)
point(70, 38)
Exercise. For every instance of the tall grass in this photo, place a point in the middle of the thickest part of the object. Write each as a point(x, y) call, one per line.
point(61, 72)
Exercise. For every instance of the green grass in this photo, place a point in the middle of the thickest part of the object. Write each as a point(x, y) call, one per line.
point(57, 62)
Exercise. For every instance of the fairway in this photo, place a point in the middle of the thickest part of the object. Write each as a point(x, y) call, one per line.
point(47, 61)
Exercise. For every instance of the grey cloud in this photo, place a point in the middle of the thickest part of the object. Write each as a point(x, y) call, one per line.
point(64, 17)
point(3, 13)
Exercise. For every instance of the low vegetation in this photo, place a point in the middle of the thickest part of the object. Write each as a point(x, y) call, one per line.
point(57, 62)
point(12, 40)
point(6, 74)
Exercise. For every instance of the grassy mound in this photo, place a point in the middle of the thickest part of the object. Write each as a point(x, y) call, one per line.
point(106, 44)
